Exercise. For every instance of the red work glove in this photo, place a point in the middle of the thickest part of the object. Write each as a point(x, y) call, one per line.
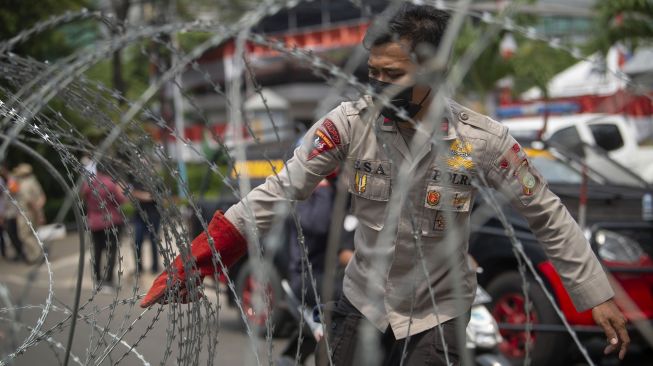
point(228, 242)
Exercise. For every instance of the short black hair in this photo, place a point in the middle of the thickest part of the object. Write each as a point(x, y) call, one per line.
point(420, 24)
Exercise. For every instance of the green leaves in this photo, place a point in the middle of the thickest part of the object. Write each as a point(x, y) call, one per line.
point(534, 63)
point(18, 15)
point(626, 21)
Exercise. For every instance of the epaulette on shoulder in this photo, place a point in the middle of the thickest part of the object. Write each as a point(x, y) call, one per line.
point(352, 108)
point(470, 117)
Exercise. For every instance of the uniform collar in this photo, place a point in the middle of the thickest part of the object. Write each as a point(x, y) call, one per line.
point(388, 125)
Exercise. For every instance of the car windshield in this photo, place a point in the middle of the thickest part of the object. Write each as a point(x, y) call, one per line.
point(601, 167)
point(613, 171)
point(554, 170)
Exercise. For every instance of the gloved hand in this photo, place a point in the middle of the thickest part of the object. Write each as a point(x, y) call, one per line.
point(228, 242)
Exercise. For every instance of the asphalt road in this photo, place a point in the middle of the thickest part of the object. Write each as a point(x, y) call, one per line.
point(28, 291)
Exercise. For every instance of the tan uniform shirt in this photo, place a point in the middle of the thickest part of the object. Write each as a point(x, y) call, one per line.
point(428, 243)
point(29, 193)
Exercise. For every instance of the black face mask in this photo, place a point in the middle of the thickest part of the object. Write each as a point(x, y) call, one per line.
point(403, 100)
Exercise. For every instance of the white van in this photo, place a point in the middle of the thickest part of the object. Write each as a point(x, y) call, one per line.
point(610, 132)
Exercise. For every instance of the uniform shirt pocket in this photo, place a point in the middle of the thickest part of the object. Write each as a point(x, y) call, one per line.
point(443, 205)
point(370, 196)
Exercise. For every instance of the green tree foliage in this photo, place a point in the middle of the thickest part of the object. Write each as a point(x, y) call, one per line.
point(53, 44)
point(17, 15)
point(626, 21)
point(488, 68)
point(534, 63)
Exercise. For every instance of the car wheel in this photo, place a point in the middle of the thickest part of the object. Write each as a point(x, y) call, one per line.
point(248, 288)
point(508, 307)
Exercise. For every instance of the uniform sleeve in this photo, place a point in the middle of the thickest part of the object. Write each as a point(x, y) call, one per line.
point(510, 172)
point(322, 149)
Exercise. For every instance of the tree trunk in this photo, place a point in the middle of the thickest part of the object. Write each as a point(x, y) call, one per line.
point(121, 9)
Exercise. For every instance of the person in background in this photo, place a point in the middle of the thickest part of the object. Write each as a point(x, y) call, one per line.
point(32, 200)
point(314, 219)
point(103, 197)
point(9, 215)
point(151, 215)
point(346, 250)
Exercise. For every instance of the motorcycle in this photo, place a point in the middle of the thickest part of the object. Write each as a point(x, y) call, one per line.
point(482, 331)
point(483, 337)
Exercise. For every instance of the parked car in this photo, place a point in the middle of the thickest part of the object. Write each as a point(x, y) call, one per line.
point(614, 225)
point(613, 133)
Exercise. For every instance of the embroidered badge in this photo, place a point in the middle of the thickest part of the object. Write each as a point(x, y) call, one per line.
point(360, 182)
point(447, 198)
point(526, 179)
point(512, 158)
point(444, 126)
point(326, 138)
point(460, 155)
point(528, 182)
point(461, 201)
point(433, 198)
point(522, 167)
point(439, 224)
point(331, 130)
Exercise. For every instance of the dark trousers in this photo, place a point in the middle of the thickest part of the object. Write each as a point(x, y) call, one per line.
point(424, 348)
point(11, 225)
point(140, 230)
point(305, 349)
point(104, 241)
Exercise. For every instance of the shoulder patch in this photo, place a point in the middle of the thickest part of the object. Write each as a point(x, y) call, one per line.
point(326, 138)
point(468, 116)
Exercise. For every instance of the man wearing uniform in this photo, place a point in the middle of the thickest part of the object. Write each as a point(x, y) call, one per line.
point(32, 199)
point(408, 278)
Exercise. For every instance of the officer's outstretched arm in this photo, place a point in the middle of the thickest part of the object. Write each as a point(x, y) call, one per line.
point(510, 171)
point(323, 147)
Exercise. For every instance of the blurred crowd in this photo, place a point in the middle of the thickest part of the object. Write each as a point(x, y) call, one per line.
point(22, 218)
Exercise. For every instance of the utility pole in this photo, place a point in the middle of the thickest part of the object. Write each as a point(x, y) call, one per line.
point(178, 105)
point(172, 106)
point(170, 97)
point(121, 10)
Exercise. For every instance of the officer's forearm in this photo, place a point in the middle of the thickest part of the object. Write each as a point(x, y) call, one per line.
point(569, 251)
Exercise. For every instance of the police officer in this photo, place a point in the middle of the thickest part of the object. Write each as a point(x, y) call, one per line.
point(404, 285)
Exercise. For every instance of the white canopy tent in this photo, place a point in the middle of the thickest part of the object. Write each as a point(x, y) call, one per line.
point(593, 76)
point(640, 68)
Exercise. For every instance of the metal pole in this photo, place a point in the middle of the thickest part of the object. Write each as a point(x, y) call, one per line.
point(178, 108)
point(178, 104)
